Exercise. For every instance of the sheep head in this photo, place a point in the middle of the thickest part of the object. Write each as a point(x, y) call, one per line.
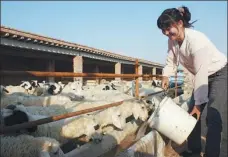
point(49, 146)
point(17, 116)
point(26, 85)
point(117, 119)
point(140, 111)
point(153, 101)
point(54, 89)
point(34, 83)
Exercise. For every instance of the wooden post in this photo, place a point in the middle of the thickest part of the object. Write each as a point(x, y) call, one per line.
point(176, 84)
point(137, 78)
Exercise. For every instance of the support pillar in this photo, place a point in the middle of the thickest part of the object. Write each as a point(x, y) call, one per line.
point(140, 72)
point(154, 72)
point(96, 70)
point(51, 68)
point(78, 67)
point(122, 69)
point(118, 70)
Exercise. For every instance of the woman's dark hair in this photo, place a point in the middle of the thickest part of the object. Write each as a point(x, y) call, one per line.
point(173, 15)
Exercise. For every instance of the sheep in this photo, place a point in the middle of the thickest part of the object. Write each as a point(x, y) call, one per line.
point(54, 89)
point(26, 85)
point(109, 87)
point(73, 90)
point(17, 90)
point(28, 146)
point(109, 141)
point(40, 110)
point(32, 87)
point(75, 86)
point(145, 91)
point(109, 117)
point(3, 90)
point(44, 85)
point(5, 112)
point(153, 102)
point(10, 116)
point(35, 100)
point(10, 98)
point(103, 81)
point(34, 83)
point(38, 89)
point(61, 130)
point(135, 108)
point(156, 83)
point(61, 84)
point(116, 119)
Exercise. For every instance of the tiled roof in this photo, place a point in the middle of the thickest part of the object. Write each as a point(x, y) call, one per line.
point(60, 43)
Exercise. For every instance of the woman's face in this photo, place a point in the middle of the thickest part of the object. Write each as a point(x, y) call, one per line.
point(174, 31)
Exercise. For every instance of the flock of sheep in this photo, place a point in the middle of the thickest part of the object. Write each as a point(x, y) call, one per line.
point(33, 101)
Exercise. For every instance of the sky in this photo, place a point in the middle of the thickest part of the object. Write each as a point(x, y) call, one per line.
point(127, 28)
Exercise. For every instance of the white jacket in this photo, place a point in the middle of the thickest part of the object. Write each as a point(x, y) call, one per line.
point(199, 56)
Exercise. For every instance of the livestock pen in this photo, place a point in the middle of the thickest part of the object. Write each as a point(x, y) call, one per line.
point(119, 140)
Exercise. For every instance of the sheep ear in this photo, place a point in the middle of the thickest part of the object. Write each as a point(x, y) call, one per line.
point(116, 122)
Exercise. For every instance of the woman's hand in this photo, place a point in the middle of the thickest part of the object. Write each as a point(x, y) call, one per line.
point(196, 110)
point(165, 82)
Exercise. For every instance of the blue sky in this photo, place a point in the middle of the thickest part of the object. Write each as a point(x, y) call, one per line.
point(127, 28)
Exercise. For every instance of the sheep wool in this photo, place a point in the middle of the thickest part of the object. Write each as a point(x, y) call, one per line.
point(28, 146)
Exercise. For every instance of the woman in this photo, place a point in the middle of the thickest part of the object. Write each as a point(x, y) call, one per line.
point(199, 56)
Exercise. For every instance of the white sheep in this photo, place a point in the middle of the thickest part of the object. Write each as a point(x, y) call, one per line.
point(61, 130)
point(75, 87)
point(32, 87)
point(109, 86)
point(153, 102)
point(35, 83)
point(112, 117)
point(156, 83)
point(109, 142)
point(135, 108)
point(54, 89)
point(38, 89)
point(3, 90)
point(31, 100)
point(18, 90)
point(145, 91)
point(109, 117)
point(27, 86)
point(45, 110)
point(73, 90)
point(29, 146)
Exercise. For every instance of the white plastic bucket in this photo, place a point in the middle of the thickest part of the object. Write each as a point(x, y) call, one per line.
point(172, 121)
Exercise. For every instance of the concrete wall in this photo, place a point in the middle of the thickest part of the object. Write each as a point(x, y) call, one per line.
point(78, 66)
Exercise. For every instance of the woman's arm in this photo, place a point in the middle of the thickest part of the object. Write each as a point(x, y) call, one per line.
point(170, 67)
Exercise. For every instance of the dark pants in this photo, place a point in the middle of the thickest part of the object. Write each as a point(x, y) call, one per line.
point(216, 118)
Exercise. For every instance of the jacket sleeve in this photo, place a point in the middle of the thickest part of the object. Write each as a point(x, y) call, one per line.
point(200, 63)
point(170, 65)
